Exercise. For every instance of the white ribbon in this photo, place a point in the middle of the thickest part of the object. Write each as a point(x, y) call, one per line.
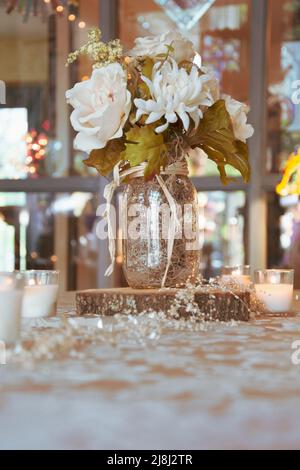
point(177, 168)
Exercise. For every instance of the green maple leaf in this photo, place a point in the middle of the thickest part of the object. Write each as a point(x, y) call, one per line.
point(215, 136)
point(105, 159)
point(143, 145)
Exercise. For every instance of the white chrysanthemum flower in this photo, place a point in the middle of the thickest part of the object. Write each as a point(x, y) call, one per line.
point(238, 113)
point(151, 46)
point(175, 94)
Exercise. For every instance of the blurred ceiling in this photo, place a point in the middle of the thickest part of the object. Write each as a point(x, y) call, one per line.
point(13, 25)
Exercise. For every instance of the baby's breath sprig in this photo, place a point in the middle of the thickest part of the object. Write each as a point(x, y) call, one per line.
point(101, 53)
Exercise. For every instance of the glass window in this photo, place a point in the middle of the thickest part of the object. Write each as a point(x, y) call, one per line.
point(284, 233)
point(283, 123)
point(51, 231)
point(29, 100)
point(222, 220)
point(36, 137)
point(81, 70)
point(13, 145)
point(35, 94)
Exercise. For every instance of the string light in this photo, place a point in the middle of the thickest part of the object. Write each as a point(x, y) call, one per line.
point(36, 150)
point(43, 141)
point(44, 8)
point(29, 8)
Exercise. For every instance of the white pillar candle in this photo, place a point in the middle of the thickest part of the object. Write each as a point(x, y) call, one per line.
point(274, 287)
point(39, 300)
point(10, 309)
point(275, 297)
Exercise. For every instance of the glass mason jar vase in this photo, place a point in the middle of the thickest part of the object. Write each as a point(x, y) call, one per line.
point(146, 221)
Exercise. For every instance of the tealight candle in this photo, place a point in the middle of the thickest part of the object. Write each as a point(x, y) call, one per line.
point(274, 287)
point(40, 293)
point(238, 273)
point(11, 292)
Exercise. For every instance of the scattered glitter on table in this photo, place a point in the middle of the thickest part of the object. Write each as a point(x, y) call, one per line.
point(147, 382)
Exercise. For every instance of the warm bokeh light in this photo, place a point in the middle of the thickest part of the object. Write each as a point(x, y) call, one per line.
point(290, 183)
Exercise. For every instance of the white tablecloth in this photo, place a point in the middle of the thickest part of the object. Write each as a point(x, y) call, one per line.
point(228, 386)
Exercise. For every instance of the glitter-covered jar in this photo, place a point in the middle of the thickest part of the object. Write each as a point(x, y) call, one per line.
point(150, 257)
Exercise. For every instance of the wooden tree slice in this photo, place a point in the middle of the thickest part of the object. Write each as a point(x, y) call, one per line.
point(214, 304)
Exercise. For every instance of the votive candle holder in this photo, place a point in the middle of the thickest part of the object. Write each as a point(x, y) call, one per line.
point(40, 293)
point(274, 288)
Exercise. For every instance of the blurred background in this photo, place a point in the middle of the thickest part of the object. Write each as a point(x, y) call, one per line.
point(48, 198)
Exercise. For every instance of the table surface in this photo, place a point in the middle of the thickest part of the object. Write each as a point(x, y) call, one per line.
point(150, 384)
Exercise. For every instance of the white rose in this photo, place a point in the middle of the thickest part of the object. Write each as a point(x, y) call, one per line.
point(101, 107)
point(153, 45)
point(212, 84)
point(238, 113)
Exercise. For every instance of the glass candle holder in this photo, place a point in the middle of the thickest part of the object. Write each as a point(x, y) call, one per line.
point(238, 273)
point(11, 294)
point(275, 287)
point(40, 293)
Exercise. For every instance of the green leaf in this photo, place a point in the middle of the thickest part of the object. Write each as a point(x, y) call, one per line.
point(241, 161)
point(150, 147)
point(133, 78)
point(218, 158)
point(147, 67)
point(105, 159)
point(215, 136)
point(155, 164)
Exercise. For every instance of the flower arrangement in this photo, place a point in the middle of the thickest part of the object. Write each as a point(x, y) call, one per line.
point(151, 106)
